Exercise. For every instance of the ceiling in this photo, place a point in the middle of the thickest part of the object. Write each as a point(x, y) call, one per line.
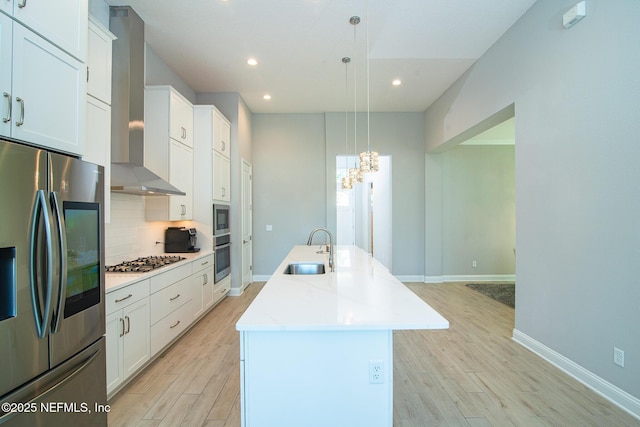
point(299, 46)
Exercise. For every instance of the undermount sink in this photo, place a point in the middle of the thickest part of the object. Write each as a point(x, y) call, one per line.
point(305, 268)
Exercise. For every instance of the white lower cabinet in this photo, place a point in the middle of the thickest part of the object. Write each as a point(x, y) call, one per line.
point(145, 317)
point(170, 327)
point(202, 285)
point(127, 332)
point(170, 306)
point(221, 289)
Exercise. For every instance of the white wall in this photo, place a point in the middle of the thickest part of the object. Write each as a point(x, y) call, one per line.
point(576, 98)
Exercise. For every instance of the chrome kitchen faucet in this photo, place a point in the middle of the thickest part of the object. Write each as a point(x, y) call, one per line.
point(331, 266)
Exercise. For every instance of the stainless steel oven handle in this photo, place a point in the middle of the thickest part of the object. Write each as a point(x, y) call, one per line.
point(62, 263)
point(40, 207)
point(226, 245)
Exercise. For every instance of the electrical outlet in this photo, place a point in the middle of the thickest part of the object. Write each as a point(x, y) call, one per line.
point(376, 372)
point(618, 357)
point(474, 263)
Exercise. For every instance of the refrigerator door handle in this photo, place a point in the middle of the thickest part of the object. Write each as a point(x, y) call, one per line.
point(62, 263)
point(40, 208)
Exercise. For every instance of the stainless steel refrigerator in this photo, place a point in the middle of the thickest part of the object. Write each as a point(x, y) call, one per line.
point(52, 345)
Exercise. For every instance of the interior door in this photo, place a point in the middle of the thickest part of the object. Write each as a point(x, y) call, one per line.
point(247, 230)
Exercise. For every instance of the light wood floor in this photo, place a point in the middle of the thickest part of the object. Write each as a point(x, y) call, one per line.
point(472, 374)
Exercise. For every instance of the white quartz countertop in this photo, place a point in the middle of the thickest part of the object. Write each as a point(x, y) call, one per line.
point(115, 281)
point(360, 295)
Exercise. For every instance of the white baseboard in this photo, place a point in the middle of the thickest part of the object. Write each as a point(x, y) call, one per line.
point(471, 278)
point(604, 388)
point(410, 278)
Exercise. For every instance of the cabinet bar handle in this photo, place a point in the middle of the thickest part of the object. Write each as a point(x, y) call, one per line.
point(173, 326)
point(22, 4)
point(224, 146)
point(174, 298)
point(125, 298)
point(121, 327)
point(21, 121)
point(206, 279)
point(128, 324)
point(9, 105)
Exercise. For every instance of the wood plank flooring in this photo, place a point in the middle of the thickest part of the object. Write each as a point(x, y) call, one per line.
point(472, 374)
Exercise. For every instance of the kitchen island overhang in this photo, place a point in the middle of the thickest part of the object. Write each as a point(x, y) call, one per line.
point(318, 349)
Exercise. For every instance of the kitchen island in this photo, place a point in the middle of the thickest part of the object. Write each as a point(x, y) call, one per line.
point(317, 350)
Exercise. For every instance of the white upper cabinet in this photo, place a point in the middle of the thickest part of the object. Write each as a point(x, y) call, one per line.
point(48, 94)
point(181, 119)
point(168, 139)
point(221, 134)
point(42, 72)
point(63, 22)
point(99, 61)
point(5, 73)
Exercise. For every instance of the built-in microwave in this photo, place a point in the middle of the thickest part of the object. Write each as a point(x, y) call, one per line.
point(220, 219)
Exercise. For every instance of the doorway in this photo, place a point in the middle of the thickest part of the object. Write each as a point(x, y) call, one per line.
point(364, 213)
point(247, 228)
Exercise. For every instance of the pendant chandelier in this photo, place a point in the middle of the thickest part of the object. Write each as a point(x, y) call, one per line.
point(355, 174)
point(345, 181)
point(368, 159)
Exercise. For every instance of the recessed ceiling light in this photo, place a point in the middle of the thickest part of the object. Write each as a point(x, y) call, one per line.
point(252, 61)
point(266, 97)
point(396, 82)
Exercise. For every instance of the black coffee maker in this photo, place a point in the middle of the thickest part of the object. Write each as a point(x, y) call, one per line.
point(180, 239)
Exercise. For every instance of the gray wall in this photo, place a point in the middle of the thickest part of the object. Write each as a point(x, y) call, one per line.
point(288, 184)
point(576, 97)
point(478, 210)
point(401, 136)
point(294, 173)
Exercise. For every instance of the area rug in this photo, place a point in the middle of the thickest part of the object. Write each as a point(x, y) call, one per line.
point(502, 292)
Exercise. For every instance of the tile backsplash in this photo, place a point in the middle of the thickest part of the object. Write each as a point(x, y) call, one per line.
point(129, 236)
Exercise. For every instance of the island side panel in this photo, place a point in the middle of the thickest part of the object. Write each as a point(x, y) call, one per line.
point(316, 378)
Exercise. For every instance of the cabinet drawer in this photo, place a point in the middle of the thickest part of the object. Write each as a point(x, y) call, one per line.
point(170, 298)
point(221, 290)
point(123, 297)
point(202, 263)
point(163, 332)
point(163, 280)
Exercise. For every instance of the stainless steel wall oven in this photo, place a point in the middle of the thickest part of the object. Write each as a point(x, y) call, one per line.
point(222, 248)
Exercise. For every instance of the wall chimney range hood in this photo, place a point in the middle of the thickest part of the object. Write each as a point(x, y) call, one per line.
point(128, 172)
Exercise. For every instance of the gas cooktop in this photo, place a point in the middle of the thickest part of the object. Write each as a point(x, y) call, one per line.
point(143, 264)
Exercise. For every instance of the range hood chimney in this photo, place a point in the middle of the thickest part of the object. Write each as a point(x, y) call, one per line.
point(128, 173)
